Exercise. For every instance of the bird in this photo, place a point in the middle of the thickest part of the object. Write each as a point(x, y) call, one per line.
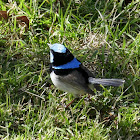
point(69, 75)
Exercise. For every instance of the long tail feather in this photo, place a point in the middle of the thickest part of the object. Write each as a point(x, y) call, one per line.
point(107, 82)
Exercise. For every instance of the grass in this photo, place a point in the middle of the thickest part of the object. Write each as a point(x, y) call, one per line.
point(104, 35)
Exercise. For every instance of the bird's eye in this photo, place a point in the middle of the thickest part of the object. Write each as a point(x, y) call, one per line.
point(52, 51)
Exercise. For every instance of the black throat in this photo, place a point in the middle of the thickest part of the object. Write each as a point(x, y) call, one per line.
point(61, 58)
point(61, 71)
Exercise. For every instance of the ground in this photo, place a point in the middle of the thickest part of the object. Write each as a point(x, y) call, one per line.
point(104, 35)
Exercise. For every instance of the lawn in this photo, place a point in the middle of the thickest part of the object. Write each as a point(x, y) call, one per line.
point(103, 35)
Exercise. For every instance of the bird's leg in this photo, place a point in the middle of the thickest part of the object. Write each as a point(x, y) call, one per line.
point(70, 103)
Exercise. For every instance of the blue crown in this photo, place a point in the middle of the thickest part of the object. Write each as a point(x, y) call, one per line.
point(58, 48)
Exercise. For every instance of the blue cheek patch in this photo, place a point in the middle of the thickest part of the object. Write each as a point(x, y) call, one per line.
point(70, 65)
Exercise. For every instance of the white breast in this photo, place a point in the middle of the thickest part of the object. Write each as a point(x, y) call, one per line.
point(64, 86)
point(56, 81)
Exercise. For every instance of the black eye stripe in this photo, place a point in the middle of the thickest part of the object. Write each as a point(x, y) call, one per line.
point(62, 58)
